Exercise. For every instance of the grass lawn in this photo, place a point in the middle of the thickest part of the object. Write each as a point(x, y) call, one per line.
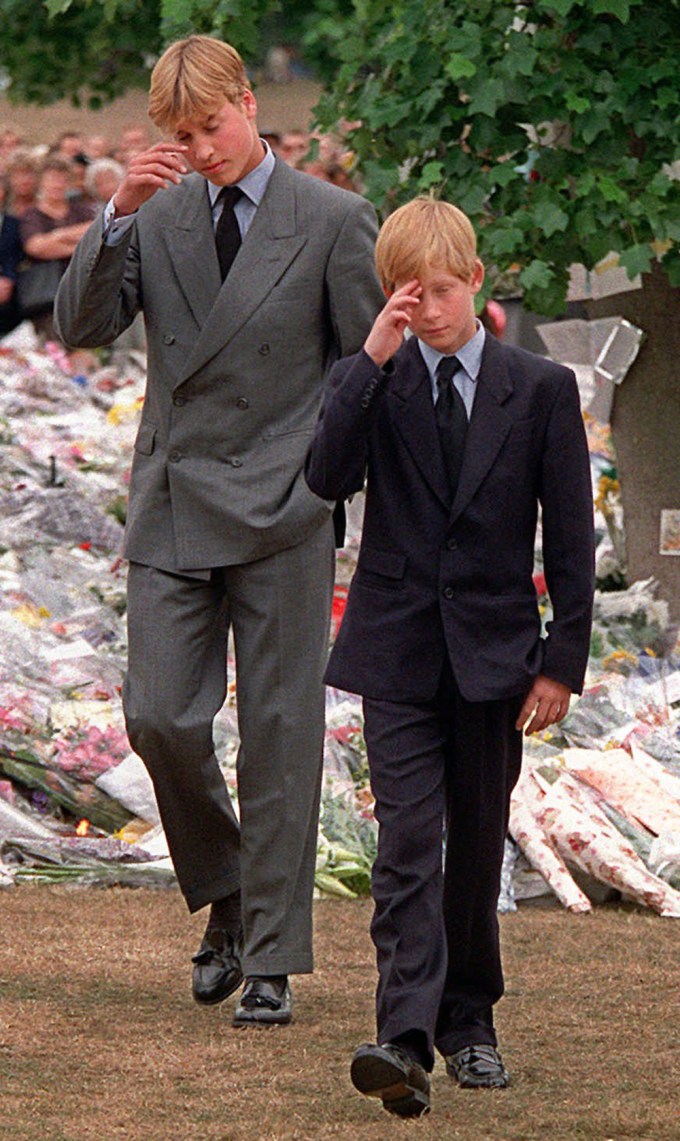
point(100, 1038)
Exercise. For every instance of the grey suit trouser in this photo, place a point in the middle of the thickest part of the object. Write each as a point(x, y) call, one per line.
point(279, 610)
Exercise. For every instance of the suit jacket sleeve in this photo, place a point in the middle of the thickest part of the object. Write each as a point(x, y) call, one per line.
point(335, 467)
point(568, 539)
point(99, 294)
point(354, 294)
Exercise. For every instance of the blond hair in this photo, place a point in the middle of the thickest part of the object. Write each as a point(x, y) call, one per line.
point(192, 78)
point(425, 234)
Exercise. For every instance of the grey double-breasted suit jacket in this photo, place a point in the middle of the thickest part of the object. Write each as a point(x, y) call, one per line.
point(235, 371)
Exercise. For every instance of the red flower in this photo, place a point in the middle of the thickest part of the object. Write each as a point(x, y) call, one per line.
point(540, 585)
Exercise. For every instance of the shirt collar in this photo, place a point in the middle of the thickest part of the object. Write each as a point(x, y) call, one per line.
point(254, 183)
point(469, 355)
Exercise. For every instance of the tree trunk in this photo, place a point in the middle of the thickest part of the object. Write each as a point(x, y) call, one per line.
point(646, 428)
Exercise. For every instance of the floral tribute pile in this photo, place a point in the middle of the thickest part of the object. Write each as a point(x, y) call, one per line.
point(599, 798)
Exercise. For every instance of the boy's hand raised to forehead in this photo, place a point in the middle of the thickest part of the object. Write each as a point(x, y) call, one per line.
point(148, 172)
point(389, 327)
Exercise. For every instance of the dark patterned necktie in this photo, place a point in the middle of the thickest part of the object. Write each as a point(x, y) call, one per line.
point(452, 421)
point(227, 233)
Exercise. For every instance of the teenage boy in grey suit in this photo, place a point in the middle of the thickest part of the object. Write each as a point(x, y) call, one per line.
point(222, 531)
point(442, 634)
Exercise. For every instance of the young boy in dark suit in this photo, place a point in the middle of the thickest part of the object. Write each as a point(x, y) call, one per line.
point(460, 440)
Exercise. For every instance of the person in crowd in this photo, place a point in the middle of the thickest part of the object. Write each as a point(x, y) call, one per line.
point(11, 253)
point(252, 279)
point(77, 191)
point(273, 139)
point(102, 179)
point(10, 139)
point(23, 171)
point(69, 144)
point(96, 147)
point(134, 140)
point(51, 230)
point(294, 146)
point(460, 439)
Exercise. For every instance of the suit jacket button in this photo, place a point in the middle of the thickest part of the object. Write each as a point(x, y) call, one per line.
point(365, 401)
point(242, 402)
point(448, 592)
point(451, 545)
point(179, 401)
point(264, 350)
point(236, 462)
point(168, 338)
point(174, 456)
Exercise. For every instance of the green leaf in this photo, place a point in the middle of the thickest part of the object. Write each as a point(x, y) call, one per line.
point(57, 7)
point(618, 8)
point(577, 103)
point(472, 200)
point(459, 67)
point(503, 241)
point(550, 218)
point(610, 190)
point(563, 7)
point(503, 174)
point(671, 264)
point(431, 174)
point(636, 259)
point(486, 98)
point(536, 275)
point(592, 123)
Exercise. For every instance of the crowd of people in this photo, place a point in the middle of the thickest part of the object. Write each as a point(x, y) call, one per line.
point(50, 193)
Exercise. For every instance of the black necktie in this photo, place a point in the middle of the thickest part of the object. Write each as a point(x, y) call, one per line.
point(227, 233)
point(451, 420)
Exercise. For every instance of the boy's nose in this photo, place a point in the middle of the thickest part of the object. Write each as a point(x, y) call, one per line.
point(203, 149)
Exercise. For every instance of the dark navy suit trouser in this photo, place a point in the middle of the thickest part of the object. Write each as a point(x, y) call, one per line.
point(441, 771)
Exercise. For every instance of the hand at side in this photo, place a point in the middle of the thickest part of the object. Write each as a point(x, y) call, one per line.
point(546, 702)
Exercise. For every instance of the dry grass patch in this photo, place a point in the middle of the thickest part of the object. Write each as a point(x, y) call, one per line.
point(99, 1036)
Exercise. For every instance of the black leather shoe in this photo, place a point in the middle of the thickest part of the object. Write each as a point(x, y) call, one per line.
point(477, 1067)
point(265, 1002)
point(390, 1074)
point(217, 967)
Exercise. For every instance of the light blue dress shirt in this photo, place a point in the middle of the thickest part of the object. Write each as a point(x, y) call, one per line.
point(465, 378)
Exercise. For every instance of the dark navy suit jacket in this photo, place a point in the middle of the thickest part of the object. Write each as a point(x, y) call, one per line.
point(434, 578)
point(11, 254)
point(11, 251)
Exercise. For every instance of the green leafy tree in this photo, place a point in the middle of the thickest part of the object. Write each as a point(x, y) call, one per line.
point(92, 51)
point(552, 123)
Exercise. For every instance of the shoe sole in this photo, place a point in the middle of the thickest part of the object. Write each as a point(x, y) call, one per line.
point(492, 1083)
point(502, 1081)
point(379, 1077)
point(263, 1018)
point(217, 1001)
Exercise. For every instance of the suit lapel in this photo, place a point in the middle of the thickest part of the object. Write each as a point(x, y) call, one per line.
point(270, 246)
point(489, 424)
point(198, 275)
point(412, 408)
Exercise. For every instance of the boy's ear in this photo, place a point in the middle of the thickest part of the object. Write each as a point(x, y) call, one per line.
point(249, 104)
point(477, 279)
